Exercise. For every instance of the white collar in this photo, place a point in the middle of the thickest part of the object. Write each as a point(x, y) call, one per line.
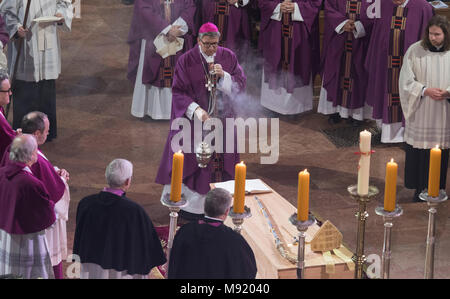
point(26, 168)
point(42, 155)
point(214, 218)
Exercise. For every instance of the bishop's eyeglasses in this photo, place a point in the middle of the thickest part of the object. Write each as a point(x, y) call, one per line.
point(207, 45)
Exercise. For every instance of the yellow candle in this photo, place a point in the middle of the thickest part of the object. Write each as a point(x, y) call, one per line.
point(390, 187)
point(303, 195)
point(239, 187)
point(434, 174)
point(177, 176)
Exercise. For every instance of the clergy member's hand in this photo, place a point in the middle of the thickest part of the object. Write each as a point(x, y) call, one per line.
point(201, 114)
point(349, 26)
point(60, 22)
point(22, 32)
point(218, 70)
point(174, 32)
point(64, 173)
point(19, 131)
point(436, 94)
point(287, 7)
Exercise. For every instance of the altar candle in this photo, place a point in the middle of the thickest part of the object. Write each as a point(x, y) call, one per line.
point(239, 187)
point(303, 195)
point(390, 187)
point(364, 162)
point(177, 176)
point(434, 173)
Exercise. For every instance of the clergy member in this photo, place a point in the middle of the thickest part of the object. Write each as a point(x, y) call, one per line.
point(344, 79)
point(161, 30)
point(402, 23)
point(7, 134)
point(55, 180)
point(39, 63)
point(25, 212)
point(231, 18)
point(208, 249)
point(114, 237)
point(207, 81)
point(425, 97)
point(289, 40)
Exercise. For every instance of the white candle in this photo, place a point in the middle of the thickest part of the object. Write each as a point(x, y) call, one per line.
point(364, 162)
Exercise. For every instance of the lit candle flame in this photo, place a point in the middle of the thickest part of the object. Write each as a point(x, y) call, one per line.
point(392, 160)
point(437, 145)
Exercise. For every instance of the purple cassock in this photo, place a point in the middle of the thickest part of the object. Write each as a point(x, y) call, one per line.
point(25, 206)
point(148, 21)
point(188, 87)
point(7, 134)
point(45, 172)
point(343, 55)
point(290, 45)
point(391, 36)
point(232, 21)
point(4, 36)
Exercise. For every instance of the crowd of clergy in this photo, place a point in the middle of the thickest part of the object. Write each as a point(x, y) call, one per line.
point(386, 61)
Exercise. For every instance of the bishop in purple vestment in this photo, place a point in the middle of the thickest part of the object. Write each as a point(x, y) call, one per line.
point(344, 79)
point(191, 99)
point(402, 23)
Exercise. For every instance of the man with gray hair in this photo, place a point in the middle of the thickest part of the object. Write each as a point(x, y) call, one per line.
point(208, 249)
point(114, 237)
point(55, 180)
point(25, 212)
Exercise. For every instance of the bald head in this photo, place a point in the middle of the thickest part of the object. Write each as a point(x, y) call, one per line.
point(24, 149)
point(36, 123)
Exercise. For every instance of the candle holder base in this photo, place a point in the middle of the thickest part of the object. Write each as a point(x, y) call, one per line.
point(388, 216)
point(433, 203)
point(302, 227)
point(238, 218)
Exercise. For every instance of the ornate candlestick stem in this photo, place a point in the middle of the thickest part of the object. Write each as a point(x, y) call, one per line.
point(174, 208)
point(359, 258)
point(302, 227)
point(387, 218)
point(433, 202)
point(238, 218)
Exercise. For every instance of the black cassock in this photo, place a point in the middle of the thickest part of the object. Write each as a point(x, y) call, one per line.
point(210, 250)
point(116, 233)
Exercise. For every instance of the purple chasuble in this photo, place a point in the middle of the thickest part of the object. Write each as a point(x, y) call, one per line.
point(189, 86)
point(45, 172)
point(342, 59)
point(4, 36)
point(418, 13)
point(148, 21)
point(25, 206)
point(7, 134)
point(304, 48)
point(232, 21)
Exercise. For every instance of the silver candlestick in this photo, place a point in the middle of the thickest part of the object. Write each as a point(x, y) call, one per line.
point(433, 202)
point(302, 227)
point(174, 208)
point(238, 218)
point(387, 218)
point(359, 258)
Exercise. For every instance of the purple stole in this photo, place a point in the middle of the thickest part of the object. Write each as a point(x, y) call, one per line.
point(221, 19)
point(346, 77)
point(286, 34)
point(395, 61)
point(168, 63)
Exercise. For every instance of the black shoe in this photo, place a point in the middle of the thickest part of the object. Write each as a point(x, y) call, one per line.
point(334, 118)
point(416, 196)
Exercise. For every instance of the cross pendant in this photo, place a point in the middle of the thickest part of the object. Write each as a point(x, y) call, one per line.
point(209, 85)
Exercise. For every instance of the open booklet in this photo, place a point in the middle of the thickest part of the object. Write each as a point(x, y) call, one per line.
point(254, 186)
point(47, 19)
point(438, 4)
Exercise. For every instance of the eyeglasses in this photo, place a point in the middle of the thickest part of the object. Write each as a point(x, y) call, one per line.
point(8, 91)
point(207, 45)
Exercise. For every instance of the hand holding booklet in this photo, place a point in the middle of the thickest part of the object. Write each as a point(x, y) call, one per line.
point(254, 186)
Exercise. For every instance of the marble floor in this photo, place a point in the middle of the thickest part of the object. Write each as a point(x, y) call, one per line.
point(95, 126)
